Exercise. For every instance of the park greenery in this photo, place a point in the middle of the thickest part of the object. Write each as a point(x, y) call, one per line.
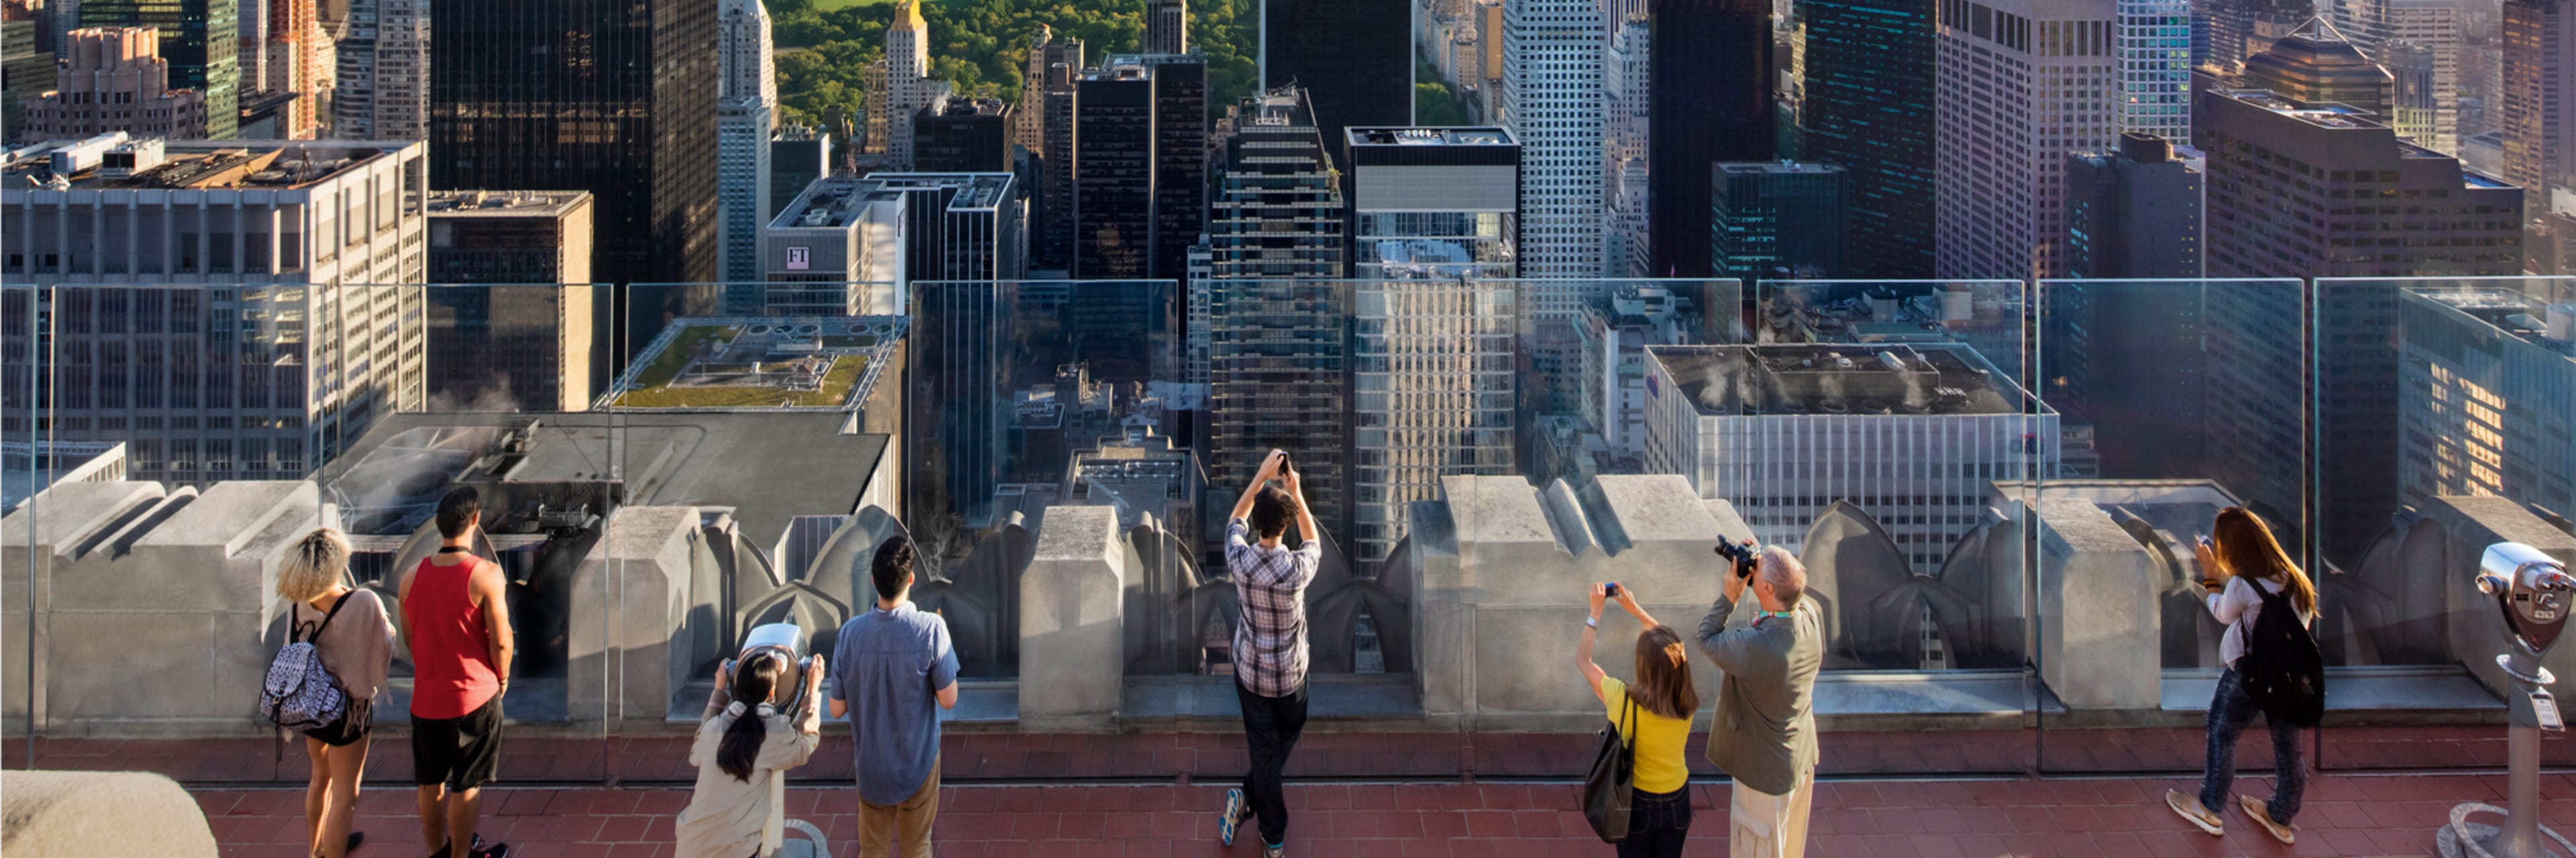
point(825, 46)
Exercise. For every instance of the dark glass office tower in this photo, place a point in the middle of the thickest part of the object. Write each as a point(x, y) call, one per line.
point(200, 38)
point(1868, 108)
point(1140, 168)
point(1180, 159)
point(607, 96)
point(1354, 58)
point(1710, 100)
point(1113, 174)
point(962, 135)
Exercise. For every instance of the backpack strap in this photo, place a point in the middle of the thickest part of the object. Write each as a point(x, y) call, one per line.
point(327, 617)
point(1628, 721)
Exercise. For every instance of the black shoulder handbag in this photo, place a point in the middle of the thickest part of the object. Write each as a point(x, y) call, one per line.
point(1609, 788)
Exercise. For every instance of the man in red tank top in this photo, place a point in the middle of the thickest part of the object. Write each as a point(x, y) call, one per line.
point(457, 620)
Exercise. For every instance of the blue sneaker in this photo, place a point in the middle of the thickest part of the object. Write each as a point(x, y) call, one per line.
point(1235, 813)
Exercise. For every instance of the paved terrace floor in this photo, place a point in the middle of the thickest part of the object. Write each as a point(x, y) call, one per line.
point(1363, 794)
point(2345, 816)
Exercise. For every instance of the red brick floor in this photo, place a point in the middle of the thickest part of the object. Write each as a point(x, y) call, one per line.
point(2345, 815)
point(987, 757)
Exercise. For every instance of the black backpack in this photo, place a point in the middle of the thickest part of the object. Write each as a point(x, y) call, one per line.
point(2282, 670)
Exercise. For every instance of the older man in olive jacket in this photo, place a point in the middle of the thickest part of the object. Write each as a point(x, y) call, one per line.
point(1764, 735)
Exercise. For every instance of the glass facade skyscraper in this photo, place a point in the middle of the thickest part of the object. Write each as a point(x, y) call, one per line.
point(1867, 107)
point(2154, 47)
point(1711, 100)
point(511, 79)
point(1353, 57)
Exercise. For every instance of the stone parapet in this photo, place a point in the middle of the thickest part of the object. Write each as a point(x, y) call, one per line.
point(1072, 644)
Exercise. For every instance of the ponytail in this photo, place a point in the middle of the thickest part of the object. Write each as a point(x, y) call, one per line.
point(742, 740)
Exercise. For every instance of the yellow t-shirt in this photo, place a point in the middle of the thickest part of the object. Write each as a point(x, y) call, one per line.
point(1662, 765)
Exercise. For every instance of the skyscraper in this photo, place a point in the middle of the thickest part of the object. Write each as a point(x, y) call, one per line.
point(962, 135)
point(234, 354)
point(1432, 391)
point(2323, 157)
point(1354, 58)
point(1167, 26)
point(2538, 109)
point(2153, 45)
point(1778, 220)
point(26, 64)
point(2319, 157)
point(2415, 91)
point(642, 143)
point(1552, 103)
point(1438, 203)
point(1278, 210)
point(286, 67)
point(908, 83)
point(1279, 378)
point(2314, 63)
point(1866, 104)
point(118, 66)
point(2133, 213)
point(1712, 101)
point(1053, 247)
point(1140, 166)
point(201, 39)
point(2490, 375)
point(746, 117)
point(383, 76)
point(532, 343)
point(1113, 174)
point(1180, 157)
point(798, 155)
point(2022, 83)
point(1625, 83)
point(2379, 27)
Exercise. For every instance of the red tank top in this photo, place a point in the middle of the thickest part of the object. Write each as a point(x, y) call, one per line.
point(451, 655)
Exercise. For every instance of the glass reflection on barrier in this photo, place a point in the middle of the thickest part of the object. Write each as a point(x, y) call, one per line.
point(2445, 422)
point(758, 469)
point(1881, 429)
point(494, 387)
point(2178, 398)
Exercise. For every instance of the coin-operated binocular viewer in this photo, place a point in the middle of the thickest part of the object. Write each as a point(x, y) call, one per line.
point(2535, 593)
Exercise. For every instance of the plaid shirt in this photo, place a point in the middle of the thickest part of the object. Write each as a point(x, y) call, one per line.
point(1270, 589)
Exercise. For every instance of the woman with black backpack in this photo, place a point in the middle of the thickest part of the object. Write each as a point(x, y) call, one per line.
point(353, 639)
point(2272, 667)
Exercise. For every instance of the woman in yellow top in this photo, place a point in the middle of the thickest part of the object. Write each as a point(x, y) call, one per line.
point(1659, 817)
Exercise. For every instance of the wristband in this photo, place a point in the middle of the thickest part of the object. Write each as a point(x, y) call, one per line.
point(1591, 622)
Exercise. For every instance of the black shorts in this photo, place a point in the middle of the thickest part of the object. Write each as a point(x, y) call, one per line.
point(354, 723)
point(459, 752)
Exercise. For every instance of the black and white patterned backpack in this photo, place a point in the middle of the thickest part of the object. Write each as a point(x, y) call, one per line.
point(299, 693)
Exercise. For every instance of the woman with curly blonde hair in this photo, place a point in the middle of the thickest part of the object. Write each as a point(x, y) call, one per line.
point(354, 639)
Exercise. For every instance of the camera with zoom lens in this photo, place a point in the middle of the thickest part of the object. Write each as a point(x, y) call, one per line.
point(1742, 554)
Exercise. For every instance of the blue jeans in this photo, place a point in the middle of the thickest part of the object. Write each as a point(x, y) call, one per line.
point(2231, 710)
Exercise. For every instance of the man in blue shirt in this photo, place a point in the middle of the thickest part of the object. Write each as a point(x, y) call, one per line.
point(891, 664)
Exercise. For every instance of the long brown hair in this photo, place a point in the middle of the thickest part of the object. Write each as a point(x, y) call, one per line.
point(2243, 546)
point(1663, 682)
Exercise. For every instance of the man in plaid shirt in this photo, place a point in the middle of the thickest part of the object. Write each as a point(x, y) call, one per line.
point(1269, 642)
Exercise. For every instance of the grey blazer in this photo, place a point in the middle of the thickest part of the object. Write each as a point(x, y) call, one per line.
point(1764, 733)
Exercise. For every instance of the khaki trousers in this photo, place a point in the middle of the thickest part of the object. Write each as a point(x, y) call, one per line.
point(883, 826)
point(1762, 825)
